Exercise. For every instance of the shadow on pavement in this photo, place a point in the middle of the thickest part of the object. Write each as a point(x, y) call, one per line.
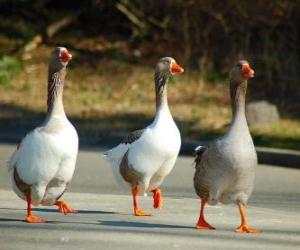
point(53, 210)
point(10, 220)
point(23, 221)
point(139, 224)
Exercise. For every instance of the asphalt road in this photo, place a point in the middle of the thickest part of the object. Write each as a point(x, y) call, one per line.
point(105, 219)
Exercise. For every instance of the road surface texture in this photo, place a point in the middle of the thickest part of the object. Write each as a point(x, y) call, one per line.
point(105, 221)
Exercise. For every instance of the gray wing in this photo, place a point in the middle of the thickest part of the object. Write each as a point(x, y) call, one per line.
point(133, 136)
point(198, 153)
point(23, 187)
point(205, 168)
point(201, 188)
point(128, 173)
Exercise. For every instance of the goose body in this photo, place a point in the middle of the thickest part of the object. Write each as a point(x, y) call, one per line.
point(153, 154)
point(225, 169)
point(44, 162)
point(147, 156)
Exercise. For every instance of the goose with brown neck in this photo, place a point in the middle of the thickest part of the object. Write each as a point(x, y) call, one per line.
point(147, 156)
point(44, 162)
point(225, 168)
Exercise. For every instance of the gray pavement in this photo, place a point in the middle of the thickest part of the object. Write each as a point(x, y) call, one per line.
point(105, 219)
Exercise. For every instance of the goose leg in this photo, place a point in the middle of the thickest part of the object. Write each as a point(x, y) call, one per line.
point(137, 210)
point(64, 208)
point(157, 198)
point(202, 224)
point(244, 228)
point(31, 218)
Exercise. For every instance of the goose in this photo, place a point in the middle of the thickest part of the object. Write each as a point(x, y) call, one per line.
point(146, 156)
point(225, 168)
point(44, 162)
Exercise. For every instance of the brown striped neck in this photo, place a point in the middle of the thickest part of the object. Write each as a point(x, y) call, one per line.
point(56, 80)
point(238, 98)
point(161, 80)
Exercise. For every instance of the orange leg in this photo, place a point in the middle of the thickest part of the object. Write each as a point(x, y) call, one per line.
point(137, 210)
point(202, 224)
point(31, 218)
point(157, 198)
point(64, 208)
point(244, 228)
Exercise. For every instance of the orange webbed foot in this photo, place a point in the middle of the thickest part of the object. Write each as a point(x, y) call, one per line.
point(202, 224)
point(139, 212)
point(157, 198)
point(64, 208)
point(31, 218)
point(246, 229)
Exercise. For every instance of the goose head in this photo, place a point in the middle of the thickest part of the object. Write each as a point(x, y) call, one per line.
point(241, 71)
point(60, 58)
point(168, 66)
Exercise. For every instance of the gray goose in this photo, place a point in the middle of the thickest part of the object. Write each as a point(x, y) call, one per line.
point(44, 162)
point(147, 156)
point(225, 168)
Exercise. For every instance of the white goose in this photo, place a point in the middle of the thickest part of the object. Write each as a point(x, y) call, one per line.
point(147, 156)
point(44, 162)
point(225, 169)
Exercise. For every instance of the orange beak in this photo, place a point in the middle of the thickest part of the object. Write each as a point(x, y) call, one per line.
point(65, 55)
point(176, 69)
point(247, 71)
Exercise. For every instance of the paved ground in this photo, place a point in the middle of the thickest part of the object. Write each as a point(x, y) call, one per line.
point(105, 221)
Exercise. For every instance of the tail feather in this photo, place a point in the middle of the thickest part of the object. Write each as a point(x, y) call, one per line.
point(114, 157)
point(10, 164)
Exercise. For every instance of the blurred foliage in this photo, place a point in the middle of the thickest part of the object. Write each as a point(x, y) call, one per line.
point(208, 35)
point(9, 67)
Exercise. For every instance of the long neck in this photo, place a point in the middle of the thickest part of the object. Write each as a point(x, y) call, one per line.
point(238, 98)
point(161, 91)
point(55, 92)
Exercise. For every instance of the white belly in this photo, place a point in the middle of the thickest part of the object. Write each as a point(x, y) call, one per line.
point(155, 149)
point(44, 156)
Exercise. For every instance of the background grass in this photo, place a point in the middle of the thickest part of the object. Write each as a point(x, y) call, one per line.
point(106, 95)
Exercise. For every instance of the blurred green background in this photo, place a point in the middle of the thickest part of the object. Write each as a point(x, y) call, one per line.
point(115, 45)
